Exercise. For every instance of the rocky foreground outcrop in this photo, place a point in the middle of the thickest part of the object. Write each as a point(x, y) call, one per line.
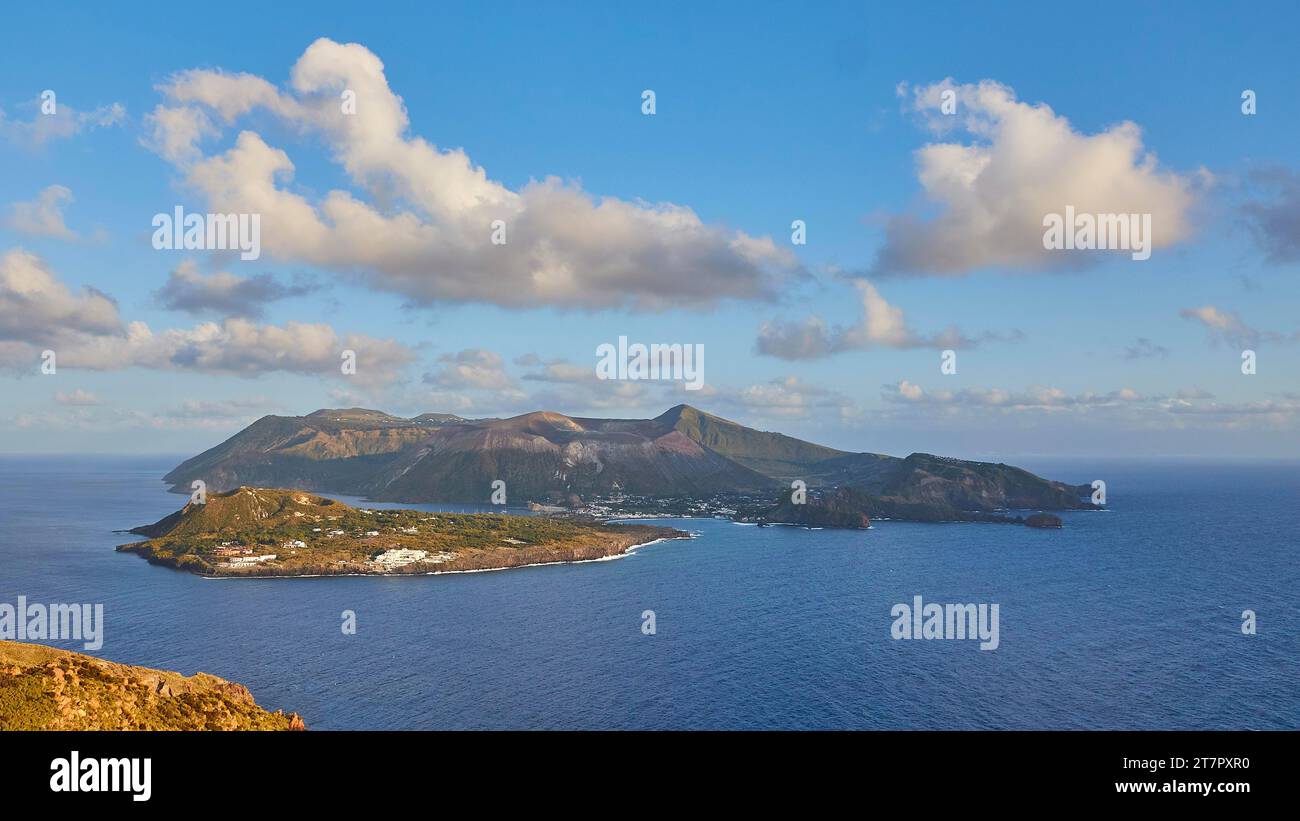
point(44, 688)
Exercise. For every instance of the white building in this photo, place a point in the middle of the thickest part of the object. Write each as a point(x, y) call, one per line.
point(393, 559)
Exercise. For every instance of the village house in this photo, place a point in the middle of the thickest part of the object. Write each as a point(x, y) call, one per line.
point(248, 561)
point(393, 559)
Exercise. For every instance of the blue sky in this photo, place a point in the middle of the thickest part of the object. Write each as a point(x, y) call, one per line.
point(764, 114)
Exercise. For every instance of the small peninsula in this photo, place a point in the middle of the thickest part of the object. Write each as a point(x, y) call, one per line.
point(850, 508)
point(259, 532)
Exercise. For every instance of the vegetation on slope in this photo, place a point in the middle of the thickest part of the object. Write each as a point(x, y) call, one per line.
point(271, 532)
point(772, 454)
point(43, 688)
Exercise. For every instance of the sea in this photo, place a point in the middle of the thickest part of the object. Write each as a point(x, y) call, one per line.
point(1130, 618)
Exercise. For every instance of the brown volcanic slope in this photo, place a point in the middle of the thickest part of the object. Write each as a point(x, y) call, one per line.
point(541, 455)
point(548, 456)
point(44, 688)
point(538, 455)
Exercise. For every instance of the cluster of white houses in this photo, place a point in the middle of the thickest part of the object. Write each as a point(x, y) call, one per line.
point(400, 557)
point(248, 561)
point(393, 559)
point(241, 556)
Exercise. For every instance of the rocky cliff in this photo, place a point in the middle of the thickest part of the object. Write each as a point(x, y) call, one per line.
point(44, 688)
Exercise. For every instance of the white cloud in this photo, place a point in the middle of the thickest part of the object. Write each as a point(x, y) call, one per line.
point(1036, 398)
point(425, 229)
point(882, 326)
point(35, 307)
point(1222, 324)
point(1022, 162)
point(43, 216)
point(64, 123)
point(472, 368)
point(85, 331)
point(559, 370)
point(785, 397)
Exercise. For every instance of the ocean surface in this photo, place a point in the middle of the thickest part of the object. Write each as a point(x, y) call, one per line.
point(1128, 618)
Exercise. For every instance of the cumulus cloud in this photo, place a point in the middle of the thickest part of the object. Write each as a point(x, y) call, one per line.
point(882, 326)
point(558, 370)
point(63, 123)
point(43, 216)
point(422, 221)
point(85, 331)
point(787, 396)
point(36, 308)
point(472, 368)
point(224, 293)
point(1021, 163)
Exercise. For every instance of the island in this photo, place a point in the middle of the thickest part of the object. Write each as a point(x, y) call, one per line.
point(44, 688)
point(252, 531)
point(684, 462)
point(850, 508)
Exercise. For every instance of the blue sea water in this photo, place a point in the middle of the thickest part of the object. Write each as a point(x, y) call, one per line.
point(1128, 618)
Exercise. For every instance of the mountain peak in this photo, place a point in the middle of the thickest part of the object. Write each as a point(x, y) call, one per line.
point(541, 421)
point(677, 412)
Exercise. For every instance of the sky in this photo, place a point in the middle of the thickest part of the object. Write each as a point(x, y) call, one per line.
point(473, 199)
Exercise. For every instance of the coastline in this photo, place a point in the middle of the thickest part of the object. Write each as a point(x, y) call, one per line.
point(621, 554)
